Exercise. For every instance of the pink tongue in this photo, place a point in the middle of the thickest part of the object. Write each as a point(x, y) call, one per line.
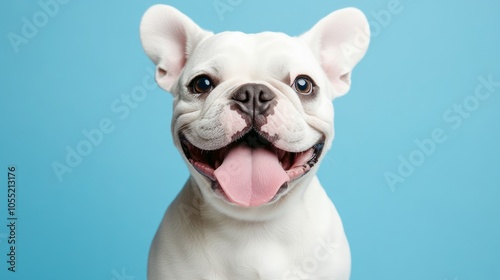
point(250, 176)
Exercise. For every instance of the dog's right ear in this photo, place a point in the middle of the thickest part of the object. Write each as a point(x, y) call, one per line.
point(168, 38)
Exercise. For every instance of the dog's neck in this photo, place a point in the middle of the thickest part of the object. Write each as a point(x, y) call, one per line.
point(202, 212)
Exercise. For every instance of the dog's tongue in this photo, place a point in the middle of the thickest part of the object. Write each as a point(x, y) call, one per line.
point(250, 176)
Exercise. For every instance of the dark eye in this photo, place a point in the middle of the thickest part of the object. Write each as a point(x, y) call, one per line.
point(303, 85)
point(201, 84)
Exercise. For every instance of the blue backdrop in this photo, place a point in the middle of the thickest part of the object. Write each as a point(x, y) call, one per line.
point(414, 170)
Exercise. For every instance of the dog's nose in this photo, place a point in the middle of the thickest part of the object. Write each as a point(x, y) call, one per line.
point(254, 99)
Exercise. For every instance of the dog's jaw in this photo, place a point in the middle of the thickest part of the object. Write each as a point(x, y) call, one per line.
point(218, 206)
point(208, 164)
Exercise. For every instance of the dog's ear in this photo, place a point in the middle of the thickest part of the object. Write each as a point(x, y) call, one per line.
point(169, 37)
point(339, 41)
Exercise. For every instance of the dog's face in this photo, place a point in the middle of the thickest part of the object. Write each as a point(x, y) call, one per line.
point(253, 113)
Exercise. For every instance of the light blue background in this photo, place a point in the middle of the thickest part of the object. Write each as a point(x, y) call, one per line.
point(442, 222)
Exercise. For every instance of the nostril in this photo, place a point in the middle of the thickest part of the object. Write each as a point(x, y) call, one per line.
point(242, 96)
point(265, 96)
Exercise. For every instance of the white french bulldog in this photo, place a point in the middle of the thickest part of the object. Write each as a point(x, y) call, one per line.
point(253, 116)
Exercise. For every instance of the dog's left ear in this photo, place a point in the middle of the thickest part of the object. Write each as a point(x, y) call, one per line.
point(339, 41)
point(169, 37)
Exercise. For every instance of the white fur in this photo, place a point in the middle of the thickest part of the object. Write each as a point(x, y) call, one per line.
point(298, 236)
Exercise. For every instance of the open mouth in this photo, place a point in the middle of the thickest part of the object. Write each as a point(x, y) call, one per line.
point(251, 171)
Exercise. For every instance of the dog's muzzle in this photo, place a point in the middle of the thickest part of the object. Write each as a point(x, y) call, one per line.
point(251, 171)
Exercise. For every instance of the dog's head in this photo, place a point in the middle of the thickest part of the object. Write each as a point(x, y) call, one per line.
point(253, 113)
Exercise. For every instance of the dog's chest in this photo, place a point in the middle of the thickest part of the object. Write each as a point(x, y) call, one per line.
point(261, 258)
point(257, 259)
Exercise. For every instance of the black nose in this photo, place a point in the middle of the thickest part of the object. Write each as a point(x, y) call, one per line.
point(254, 99)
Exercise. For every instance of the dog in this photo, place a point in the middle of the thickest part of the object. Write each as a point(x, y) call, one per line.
point(252, 119)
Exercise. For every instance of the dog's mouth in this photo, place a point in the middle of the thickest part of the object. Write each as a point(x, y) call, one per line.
point(251, 171)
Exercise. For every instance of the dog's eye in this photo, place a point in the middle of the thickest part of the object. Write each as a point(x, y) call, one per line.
point(201, 84)
point(303, 85)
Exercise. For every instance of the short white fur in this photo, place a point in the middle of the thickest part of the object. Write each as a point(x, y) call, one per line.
point(205, 237)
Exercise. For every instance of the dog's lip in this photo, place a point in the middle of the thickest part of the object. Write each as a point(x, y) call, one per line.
point(295, 164)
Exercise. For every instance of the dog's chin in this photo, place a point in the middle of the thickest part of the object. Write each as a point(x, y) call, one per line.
point(294, 165)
